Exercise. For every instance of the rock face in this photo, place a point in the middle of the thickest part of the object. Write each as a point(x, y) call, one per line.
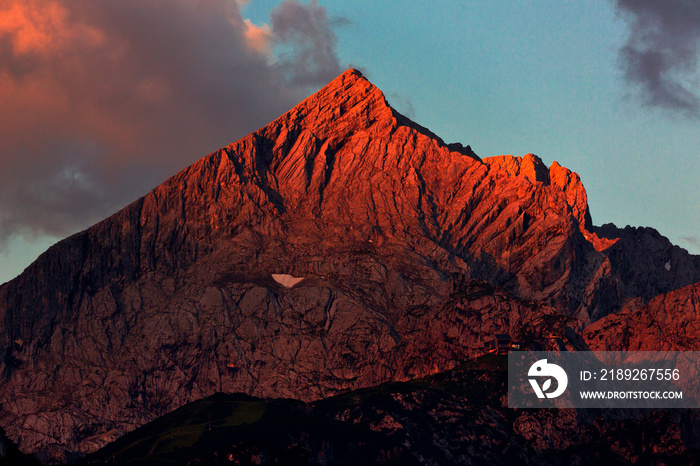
point(669, 322)
point(412, 253)
point(645, 264)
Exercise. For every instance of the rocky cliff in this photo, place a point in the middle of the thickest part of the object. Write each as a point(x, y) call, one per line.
point(338, 247)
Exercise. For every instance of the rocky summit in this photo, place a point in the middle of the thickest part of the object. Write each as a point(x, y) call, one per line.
point(339, 247)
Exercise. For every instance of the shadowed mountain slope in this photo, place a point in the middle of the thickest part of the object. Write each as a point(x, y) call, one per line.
point(451, 418)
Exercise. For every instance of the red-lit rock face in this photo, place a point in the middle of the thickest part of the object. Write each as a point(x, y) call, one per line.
point(413, 252)
point(669, 322)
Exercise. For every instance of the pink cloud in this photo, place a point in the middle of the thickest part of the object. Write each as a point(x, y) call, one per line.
point(259, 37)
point(104, 100)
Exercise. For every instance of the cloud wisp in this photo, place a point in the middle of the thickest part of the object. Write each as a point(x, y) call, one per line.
point(661, 53)
point(692, 240)
point(305, 30)
point(103, 100)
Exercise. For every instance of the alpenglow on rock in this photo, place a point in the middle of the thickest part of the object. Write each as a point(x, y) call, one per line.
point(412, 252)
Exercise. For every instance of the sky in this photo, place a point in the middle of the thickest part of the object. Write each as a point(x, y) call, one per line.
point(102, 101)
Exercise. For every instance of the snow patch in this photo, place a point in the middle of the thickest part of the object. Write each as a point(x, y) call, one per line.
point(286, 280)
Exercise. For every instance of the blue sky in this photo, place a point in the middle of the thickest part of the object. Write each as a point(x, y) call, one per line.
point(506, 77)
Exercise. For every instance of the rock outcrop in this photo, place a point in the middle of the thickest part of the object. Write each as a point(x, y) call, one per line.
point(412, 252)
point(669, 322)
point(646, 264)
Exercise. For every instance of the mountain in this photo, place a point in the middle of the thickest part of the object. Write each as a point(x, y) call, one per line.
point(454, 417)
point(339, 247)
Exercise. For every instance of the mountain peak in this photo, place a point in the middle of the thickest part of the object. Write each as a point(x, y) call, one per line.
point(349, 102)
point(352, 74)
point(352, 104)
point(350, 82)
point(410, 253)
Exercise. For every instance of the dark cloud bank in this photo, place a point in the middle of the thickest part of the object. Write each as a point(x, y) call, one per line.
point(101, 101)
point(661, 54)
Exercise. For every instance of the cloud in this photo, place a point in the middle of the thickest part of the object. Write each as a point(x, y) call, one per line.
point(402, 104)
point(101, 101)
point(305, 30)
point(692, 240)
point(259, 37)
point(661, 53)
